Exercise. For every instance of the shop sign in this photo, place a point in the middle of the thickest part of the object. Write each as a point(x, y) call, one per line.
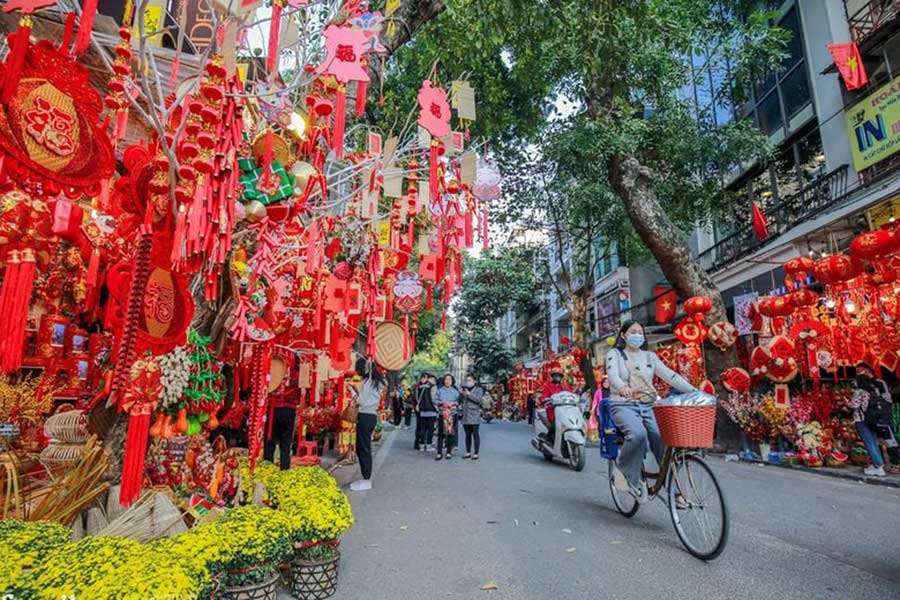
point(873, 126)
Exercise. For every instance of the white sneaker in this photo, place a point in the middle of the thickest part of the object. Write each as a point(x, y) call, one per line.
point(874, 471)
point(362, 485)
point(639, 492)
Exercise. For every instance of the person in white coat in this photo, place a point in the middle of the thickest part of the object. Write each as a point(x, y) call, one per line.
point(630, 368)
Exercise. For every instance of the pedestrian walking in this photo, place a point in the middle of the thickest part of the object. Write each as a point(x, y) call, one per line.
point(872, 407)
point(409, 403)
point(396, 406)
point(446, 400)
point(369, 399)
point(530, 406)
point(472, 397)
point(427, 413)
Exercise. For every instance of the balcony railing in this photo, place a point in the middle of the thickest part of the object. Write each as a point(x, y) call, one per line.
point(872, 19)
point(817, 196)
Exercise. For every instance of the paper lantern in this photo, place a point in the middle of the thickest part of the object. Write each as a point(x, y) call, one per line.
point(697, 304)
point(837, 268)
point(803, 298)
point(799, 265)
point(776, 306)
point(875, 244)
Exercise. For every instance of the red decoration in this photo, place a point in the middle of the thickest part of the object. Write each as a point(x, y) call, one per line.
point(723, 335)
point(875, 244)
point(690, 332)
point(837, 268)
point(776, 306)
point(666, 304)
point(697, 305)
point(803, 298)
point(850, 64)
point(434, 114)
point(736, 379)
point(760, 226)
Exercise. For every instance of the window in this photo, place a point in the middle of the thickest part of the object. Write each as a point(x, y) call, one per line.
point(795, 91)
point(769, 113)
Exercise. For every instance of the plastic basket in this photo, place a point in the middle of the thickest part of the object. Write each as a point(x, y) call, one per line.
point(686, 426)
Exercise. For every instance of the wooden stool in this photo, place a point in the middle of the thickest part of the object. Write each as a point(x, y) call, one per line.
point(307, 449)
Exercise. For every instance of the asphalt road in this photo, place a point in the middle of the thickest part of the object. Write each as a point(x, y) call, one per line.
point(432, 530)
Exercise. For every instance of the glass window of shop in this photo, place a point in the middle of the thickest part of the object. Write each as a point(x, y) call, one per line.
point(606, 257)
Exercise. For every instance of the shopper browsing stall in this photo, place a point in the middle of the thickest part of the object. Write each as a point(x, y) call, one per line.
point(872, 406)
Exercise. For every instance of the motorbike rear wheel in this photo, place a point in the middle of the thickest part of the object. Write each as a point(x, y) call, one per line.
point(576, 456)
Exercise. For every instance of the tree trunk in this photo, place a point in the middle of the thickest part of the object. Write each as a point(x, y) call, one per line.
point(407, 19)
point(577, 311)
point(633, 183)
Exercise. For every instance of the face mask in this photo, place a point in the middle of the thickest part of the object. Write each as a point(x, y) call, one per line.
point(635, 340)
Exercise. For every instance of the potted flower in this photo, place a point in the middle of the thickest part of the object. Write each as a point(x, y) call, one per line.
point(319, 513)
point(812, 442)
point(25, 543)
point(859, 457)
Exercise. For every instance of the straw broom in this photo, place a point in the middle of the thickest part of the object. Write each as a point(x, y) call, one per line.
point(77, 487)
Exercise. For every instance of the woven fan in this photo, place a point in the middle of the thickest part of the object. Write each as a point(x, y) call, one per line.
point(392, 347)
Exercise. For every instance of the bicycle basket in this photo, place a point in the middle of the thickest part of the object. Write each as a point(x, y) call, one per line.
point(688, 421)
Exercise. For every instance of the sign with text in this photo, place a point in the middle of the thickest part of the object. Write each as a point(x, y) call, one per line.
point(873, 126)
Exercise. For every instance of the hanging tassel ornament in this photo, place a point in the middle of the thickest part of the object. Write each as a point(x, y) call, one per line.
point(21, 286)
point(85, 27)
point(274, 33)
point(361, 91)
point(434, 161)
point(16, 59)
point(340, 120)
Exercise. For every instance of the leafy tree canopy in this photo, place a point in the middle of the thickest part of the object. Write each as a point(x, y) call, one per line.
point(488, 355)
point(493, 283)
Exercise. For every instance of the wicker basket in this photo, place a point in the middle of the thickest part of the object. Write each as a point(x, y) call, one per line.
point(264, 590)
point(69, 427)
point(57, 453)
point(686, 426)
point(314, 580)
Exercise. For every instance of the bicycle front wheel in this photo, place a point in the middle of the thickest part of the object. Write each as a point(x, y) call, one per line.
point(698, 508)
point(624, 501)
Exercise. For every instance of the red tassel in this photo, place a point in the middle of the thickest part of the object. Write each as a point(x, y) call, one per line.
point(121, 124)
point(16, 59)
point(83, 40)
point(361, 89)
point(469, 231)
point(274, 33)
point(434, 159)
point(93, 268)
point(14, 335)
point(267, 154)
point(340, 119)
point(443, 319)
point(67, 33)
point(133, 462)
point(7, 295)
point(429, 296)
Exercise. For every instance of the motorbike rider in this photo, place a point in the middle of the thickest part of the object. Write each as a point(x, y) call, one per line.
point(554, 386)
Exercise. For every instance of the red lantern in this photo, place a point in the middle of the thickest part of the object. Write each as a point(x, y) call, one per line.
point(883, 277)
point(799, 265)
point(837, 268)
point(803, 298)
point(777, 306)
point(697, 305)
point(875, 244)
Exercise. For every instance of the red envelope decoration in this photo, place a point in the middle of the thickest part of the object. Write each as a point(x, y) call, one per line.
point(690, 332)
point(736, 379)
point(435, 110)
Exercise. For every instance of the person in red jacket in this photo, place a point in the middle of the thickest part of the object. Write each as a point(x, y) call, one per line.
point(554, 386)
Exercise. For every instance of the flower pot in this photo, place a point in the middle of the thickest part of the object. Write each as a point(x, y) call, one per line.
point(314, 580)
point(860, 460)
point(264, 590)
point(813, 463)
point(764, 451)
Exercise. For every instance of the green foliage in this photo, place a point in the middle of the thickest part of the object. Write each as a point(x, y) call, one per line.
point(487, 353)
point(493, 283)
point(434, 358)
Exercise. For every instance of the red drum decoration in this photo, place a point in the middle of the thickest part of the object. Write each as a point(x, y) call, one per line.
point(777, 306)
point(875, 244)
point(803, 298)
point(837, 268)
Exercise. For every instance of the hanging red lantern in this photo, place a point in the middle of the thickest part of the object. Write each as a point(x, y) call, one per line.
point(875, 244)
point(697, 304)
point(776, 306)
point(799, 265)
point(803, 298)
point(882, 277)
point(837, 268)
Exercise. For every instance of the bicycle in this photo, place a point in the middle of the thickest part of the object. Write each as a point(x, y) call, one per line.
point(692, 493)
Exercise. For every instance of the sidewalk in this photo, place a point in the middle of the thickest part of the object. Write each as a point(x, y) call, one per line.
point(850, 472)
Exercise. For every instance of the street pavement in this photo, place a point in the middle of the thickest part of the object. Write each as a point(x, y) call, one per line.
point(536, 530)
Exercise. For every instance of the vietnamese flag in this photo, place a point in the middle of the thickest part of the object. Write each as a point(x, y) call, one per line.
point(760, 225)
point(666, 304)
point(849, 63)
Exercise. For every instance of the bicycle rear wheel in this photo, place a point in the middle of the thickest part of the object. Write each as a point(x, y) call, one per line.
point(624, 501)
point(700, 515)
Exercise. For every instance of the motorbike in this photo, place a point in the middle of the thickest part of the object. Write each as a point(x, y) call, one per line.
point(569, 435)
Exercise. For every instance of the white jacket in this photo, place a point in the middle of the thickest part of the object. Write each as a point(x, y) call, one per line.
point(648, 363)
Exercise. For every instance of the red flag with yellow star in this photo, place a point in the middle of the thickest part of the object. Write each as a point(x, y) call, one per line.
point(666, 304)
point(849, 63)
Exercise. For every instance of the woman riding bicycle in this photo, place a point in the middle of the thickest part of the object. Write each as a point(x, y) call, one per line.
point(631, 368)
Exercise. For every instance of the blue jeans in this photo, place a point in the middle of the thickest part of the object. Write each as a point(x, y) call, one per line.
point(871, 442)
point(638, 424)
